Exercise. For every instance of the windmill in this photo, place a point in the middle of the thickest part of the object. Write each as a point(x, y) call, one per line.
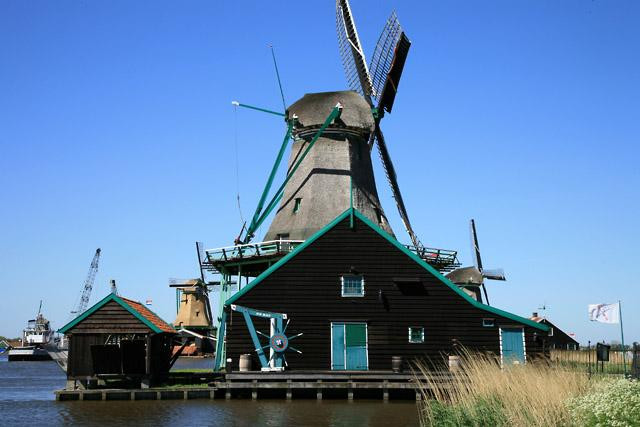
point(471, 279)
point(377, 83)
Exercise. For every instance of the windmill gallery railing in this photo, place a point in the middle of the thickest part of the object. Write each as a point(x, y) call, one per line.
point(441, 259)
point(251, 250)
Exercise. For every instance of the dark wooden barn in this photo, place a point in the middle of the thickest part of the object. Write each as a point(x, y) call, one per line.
point(117, 338)
point(359, 297)
point(556, 338)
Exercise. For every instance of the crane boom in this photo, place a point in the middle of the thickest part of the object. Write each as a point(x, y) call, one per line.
point(88, 285)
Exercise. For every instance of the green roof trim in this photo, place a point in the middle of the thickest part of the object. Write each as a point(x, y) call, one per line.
point(102, 302)
point(286, 258)
point(402, 248)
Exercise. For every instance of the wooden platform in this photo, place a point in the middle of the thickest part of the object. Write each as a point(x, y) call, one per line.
point(318, 385)
point(345, 384)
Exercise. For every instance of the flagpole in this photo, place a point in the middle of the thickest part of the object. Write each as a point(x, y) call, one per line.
point(624, 353)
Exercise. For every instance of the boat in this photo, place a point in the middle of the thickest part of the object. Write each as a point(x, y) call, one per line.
point(37, 340)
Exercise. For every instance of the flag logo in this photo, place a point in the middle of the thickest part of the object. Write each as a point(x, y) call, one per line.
point(604, 313)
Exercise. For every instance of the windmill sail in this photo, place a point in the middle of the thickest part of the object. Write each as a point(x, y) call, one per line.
point(353, 59)
point(390, 172)
point(387, 64)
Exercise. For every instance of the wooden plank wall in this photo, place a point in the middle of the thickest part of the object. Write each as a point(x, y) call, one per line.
point(307, 288)
point(560, 340)
point(111, 318)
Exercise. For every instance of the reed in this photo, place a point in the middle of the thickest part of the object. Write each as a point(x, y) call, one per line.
point(482, 393)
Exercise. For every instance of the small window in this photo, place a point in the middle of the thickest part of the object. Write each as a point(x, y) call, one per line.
point(488, 323)
point(352, 286)
point(416, 335)
point(550, 332)
point(296, 204)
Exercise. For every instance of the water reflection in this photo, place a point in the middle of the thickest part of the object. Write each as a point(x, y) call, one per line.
point(26, 397)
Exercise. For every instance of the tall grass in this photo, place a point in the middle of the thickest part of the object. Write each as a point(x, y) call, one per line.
point(482, 393)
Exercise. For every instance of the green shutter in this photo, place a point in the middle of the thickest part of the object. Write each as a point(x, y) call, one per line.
point(356, 334)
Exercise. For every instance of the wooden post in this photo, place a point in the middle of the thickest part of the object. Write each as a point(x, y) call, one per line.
point(319, 390)
point(385, 390)
point(350, 390)
point(146, 380)
point(254, 390)
point(289, 393)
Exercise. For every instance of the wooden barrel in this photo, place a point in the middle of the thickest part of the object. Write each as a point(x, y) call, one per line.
point(396, 363)
point(245, 362)
point(455, 363)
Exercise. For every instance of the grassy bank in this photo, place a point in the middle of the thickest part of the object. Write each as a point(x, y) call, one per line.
point(535, 394)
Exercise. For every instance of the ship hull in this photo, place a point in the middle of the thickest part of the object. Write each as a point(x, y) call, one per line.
point(27, 354)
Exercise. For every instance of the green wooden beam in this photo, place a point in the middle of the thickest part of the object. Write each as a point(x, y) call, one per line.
point(252, 226)
point(335, 114)
point(251, 107)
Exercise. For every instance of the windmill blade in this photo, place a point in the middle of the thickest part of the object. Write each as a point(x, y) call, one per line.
point(486, 297)
point(494, 274)
point(390, 172)
point(353, 59)
point(475, 248)
point(388, 61)
point(383, 53)
point(390, 88)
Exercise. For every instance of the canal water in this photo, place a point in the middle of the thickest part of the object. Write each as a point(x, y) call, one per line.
point(26, 398)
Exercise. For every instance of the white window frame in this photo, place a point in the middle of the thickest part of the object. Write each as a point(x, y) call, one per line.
point(488, 322)
point(524, 343)
point(342, 286)
point(422, 335)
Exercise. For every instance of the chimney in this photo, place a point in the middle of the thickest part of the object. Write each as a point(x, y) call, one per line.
point(535, 314)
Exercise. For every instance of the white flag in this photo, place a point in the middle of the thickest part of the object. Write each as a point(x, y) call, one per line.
point(605, 313)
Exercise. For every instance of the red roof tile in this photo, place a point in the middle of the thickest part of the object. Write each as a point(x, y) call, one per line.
point(149, 315)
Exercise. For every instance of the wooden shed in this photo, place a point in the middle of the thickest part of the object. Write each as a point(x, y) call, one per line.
point(117, 338)
point(557, 339)
point(359, 297)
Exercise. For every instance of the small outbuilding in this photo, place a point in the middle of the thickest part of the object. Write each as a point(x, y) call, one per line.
point(117, 339)
point(557, 339)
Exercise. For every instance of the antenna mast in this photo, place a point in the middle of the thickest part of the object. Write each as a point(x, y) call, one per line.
point(275, 64)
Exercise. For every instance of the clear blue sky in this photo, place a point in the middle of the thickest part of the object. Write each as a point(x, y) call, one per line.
point(116, 131)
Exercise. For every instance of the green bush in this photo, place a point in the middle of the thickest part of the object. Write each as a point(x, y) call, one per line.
point(609, 403)
point(482, 412)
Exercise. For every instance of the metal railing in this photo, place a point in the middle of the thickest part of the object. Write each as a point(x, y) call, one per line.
point(441, 259)
point(250, 250)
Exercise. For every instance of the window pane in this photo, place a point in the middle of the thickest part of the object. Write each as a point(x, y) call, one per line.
point(352, 286)
point(416, 335)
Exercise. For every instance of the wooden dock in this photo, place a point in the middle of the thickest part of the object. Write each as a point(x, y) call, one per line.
point(384, 385)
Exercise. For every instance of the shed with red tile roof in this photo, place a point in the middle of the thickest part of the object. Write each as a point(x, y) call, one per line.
point(118, 338)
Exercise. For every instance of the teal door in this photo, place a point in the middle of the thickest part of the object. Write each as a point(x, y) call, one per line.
point(349, 346)
point(512, 345)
